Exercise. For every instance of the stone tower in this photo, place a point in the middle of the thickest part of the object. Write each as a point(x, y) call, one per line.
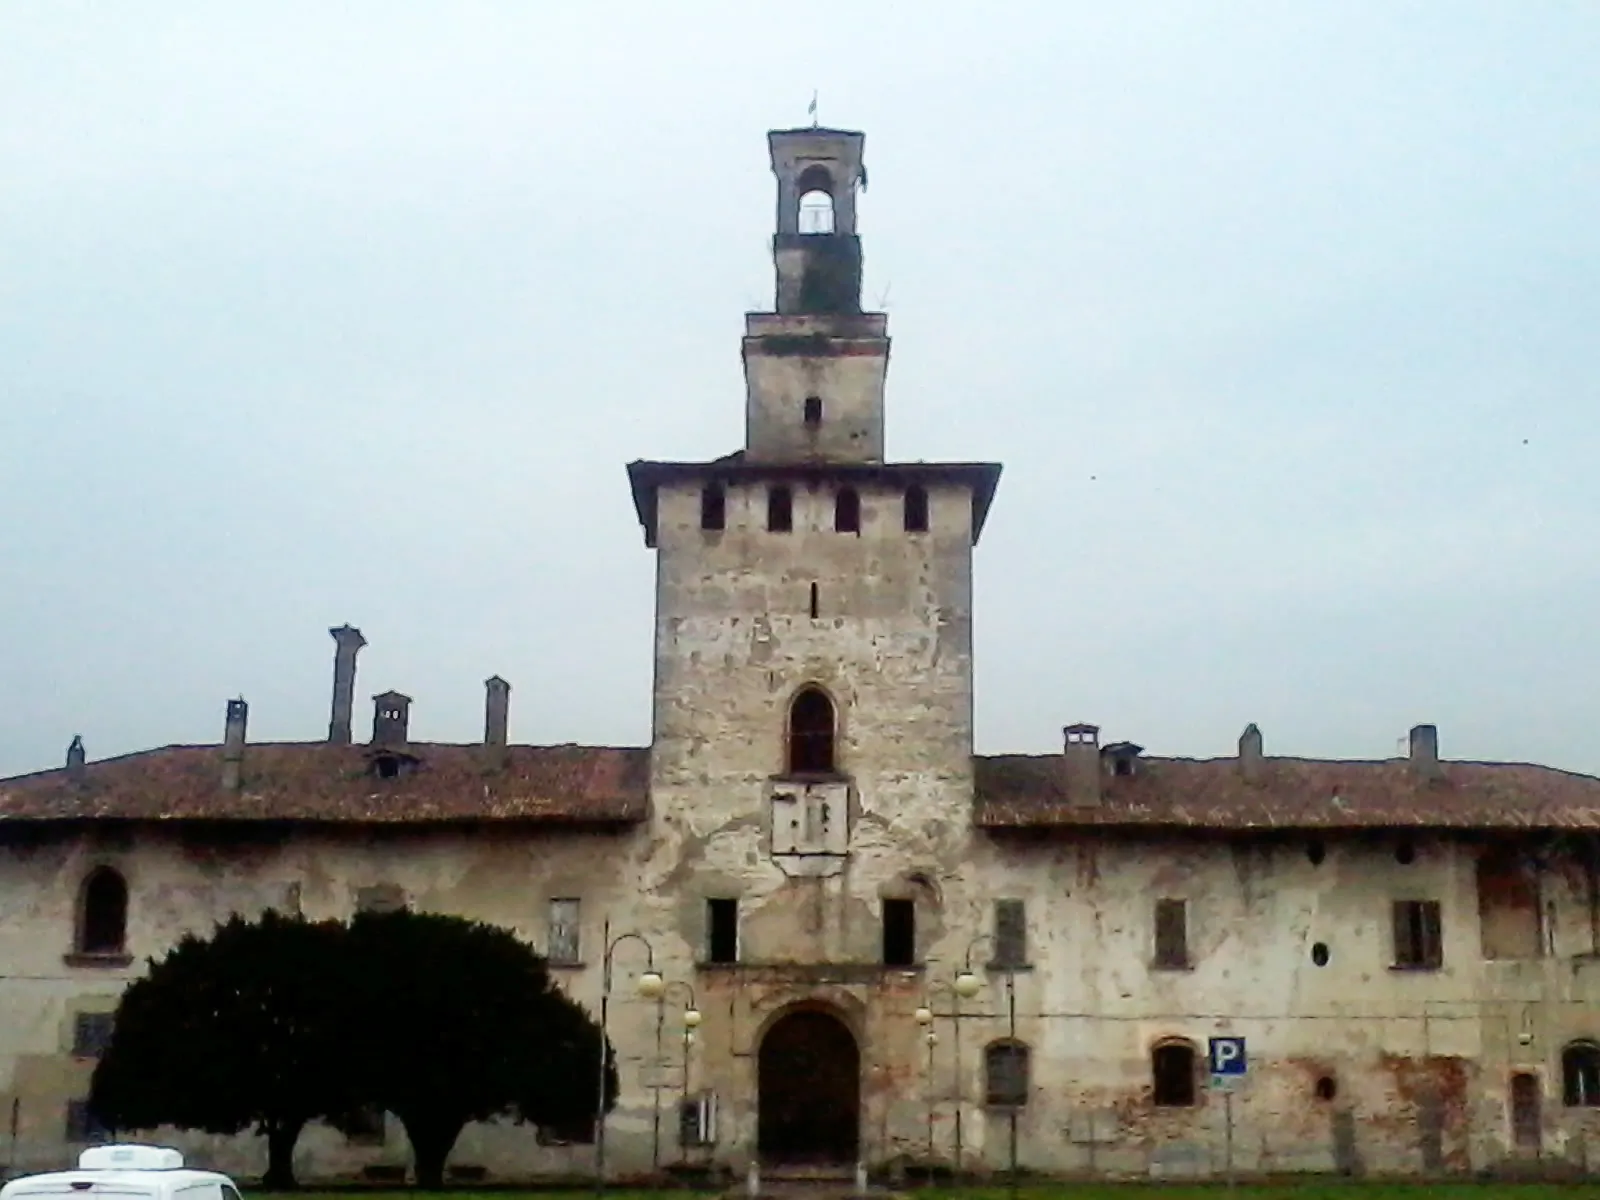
point(812, 749)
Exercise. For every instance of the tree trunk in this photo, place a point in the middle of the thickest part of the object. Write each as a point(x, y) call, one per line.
point(432, 1138)
point(281, 1138)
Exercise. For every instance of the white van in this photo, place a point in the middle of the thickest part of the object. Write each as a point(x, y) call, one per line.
point(125, 1172)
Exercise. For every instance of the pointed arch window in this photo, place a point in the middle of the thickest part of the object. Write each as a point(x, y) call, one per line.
point(811, 733)
point(103, 914)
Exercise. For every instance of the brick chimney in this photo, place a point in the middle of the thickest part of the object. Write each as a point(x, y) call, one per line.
point(233, 743)
point(496, 718)
point(76, 757)
point(1425, 752)
point(347, 642)
point(1250, 753)
point(1082, 753)
point(391, 713)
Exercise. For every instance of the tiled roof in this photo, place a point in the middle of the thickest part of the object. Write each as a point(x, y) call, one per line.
point(322, 782)
point(1289, 793)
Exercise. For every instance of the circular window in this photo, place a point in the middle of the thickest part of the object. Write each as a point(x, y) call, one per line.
point(1319, 954)
point(1316, 852)
point(1405, 854)
point(1327, 1088)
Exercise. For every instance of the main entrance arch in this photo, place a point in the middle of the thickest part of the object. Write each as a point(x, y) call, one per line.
point(808, 1080)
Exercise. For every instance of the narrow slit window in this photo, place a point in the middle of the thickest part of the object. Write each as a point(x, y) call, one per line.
point(847, 511)
point(816, 603)
point(916, 509)
point(899, 933)
point(780, 510)
point(713, 507)
point(722, 930)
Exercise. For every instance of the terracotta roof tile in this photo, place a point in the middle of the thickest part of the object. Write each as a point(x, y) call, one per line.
point(319, 781)
point(1290, 793)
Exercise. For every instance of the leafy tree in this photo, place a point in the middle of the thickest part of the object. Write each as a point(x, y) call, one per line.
point(459, 1021)
point(236, 1031)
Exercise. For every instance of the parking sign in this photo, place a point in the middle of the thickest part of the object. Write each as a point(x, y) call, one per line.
point(1227, 1057)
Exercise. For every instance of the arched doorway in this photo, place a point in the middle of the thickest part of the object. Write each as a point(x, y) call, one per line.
point(809, 1091)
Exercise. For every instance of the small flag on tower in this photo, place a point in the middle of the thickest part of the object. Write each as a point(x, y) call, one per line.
point(811, 110)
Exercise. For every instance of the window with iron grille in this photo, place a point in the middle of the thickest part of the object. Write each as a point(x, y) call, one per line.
point(1580, 1075)
point(1010, 934)
point(91, 1034)
point(1172, 934)
point(1417, 935)
point(1005, 1066)
point(563, 943)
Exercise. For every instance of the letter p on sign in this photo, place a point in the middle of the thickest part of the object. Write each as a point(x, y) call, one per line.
point(1227, 1056)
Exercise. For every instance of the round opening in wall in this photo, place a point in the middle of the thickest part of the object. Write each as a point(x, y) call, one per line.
point(1316, 852)
point(1327, 1089)
point(1319, 954)
point(1405, 854)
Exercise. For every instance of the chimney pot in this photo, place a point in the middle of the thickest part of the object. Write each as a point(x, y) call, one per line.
point(496, 717)
point(391, 714)
point(347, 644)
point(233, 739)
point(1425, 752)
point(76, 757)
point(1250, 758)
point(1082, 753)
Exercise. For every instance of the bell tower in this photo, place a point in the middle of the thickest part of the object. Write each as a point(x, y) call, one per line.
point(815, 367)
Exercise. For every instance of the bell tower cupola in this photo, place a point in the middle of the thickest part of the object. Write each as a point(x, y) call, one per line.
point(816, 249)
point(815, 366)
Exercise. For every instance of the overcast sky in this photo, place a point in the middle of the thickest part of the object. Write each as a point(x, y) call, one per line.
point(1281, 316)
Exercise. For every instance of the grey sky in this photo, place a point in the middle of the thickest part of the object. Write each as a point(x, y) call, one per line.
point(1281, 317)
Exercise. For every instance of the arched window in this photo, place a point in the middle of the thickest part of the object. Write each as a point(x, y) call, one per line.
point(103, 913)
point(1172, 1073)
point(1580, 1075)
point(1005, 1073)
point(916, 509)
point(811, 733)
point(847, 511)
point(816, 200)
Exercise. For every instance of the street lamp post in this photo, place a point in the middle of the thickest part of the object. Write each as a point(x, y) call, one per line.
point(965, 987)
point(649, 986)
point(691, 1018)
point(968, 983)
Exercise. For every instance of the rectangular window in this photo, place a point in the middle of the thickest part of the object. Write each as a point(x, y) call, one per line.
point(563, 941)
point(1417, 940)
point(1172, 934)
point(83, 1126)
point(722, 931)
point(713, 507)
point(780, 510)
point(1010, 933)
point(899, 933)
point(916, 510)
point(91, 1034)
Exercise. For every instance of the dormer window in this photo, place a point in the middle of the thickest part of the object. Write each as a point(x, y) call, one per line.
point(389, 765)
point(1123, 757)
